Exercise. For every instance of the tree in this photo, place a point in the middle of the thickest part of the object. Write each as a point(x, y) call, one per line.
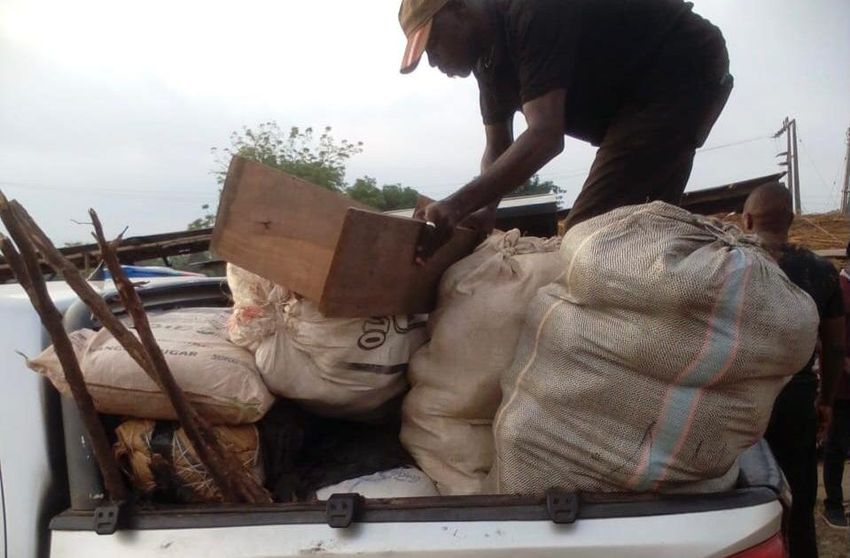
point(385, 198)
point(535, 186)
point(397, 196)
point(298, 152)
point(365, 190)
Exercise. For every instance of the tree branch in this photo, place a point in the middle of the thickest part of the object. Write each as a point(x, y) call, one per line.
point(27, 270)
point(225, 470)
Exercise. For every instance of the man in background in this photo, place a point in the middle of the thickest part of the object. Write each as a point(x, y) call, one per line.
point(838, 441)
point(801, 415)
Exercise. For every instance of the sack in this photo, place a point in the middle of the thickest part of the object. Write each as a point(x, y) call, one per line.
point(653, 362)
point(217, 376)
point(338, 367)
point(162, 464)
point(404, 482)
point(257, 303)
point(447, 415)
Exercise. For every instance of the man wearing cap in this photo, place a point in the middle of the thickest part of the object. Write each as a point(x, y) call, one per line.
point(644, 80)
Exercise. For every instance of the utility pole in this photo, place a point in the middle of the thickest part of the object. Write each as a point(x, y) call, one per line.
point(845, 191)
point(789, 128)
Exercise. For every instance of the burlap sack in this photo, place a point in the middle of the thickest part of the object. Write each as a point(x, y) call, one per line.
point(257, 303)
point(338, 367)
point(215, 374)
point(447, 415)
point(162, 464)
point(653, 362)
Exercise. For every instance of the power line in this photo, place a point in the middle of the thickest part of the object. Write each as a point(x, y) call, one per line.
point(734, 143)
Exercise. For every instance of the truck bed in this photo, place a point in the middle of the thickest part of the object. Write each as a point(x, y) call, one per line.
point(553, 524)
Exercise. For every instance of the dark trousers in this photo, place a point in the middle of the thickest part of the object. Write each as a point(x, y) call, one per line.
point(648, 149)
point(792, 435)
point(835, 453)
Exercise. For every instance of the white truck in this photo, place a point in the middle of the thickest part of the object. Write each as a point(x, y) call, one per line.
point(51, 495)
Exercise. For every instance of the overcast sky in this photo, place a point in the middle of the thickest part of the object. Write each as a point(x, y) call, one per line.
point(115, 105)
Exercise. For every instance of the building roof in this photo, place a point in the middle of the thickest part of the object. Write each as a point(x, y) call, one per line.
point(728, 198)
point(517, 205)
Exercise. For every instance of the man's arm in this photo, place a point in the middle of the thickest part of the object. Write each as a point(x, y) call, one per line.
point(499, 138)
point(540, 143)
point(831, 335)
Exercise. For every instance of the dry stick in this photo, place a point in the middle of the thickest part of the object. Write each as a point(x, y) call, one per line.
point(102, 311)
point(26, 268)
point(225, 469)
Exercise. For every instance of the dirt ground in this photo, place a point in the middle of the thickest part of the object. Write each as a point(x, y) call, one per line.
point(832, 543)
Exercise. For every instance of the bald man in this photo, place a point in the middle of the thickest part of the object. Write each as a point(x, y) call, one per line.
point(800, 415)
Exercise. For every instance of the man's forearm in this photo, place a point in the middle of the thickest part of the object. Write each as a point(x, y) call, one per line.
point(491, 154)
point(517, 163)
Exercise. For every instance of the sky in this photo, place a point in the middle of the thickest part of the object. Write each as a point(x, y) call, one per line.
point(115, 105)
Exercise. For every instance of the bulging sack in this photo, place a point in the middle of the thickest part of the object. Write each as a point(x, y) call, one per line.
point(338, 367)
point(163, 465)
point(215, 374)
point(653, 362)
point(257, 303)
point(448, 413)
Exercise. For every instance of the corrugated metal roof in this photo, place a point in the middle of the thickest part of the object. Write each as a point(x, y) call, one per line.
point(506, 203)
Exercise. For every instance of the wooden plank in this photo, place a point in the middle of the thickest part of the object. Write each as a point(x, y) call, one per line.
point(279, 226)
point(351, 260)
point(374, 274)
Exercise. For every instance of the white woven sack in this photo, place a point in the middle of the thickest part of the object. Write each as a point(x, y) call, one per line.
point(215, 374)
point(404, 482)
point(447, 416)
point(338, 367)
point(653, 362)
point(257, 302)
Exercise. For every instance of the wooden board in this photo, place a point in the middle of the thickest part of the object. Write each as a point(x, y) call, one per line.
point(279, 226)
point(373, 271)
point(333, 250)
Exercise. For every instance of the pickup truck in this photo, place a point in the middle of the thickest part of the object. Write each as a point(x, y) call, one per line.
point(51, 497)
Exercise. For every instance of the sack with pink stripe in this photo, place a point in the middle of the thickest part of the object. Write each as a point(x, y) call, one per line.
point(653, 362)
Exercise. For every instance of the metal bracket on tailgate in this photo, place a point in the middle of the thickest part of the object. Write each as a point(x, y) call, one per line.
point(342, 509)
point(106, 518)
point(562, 506)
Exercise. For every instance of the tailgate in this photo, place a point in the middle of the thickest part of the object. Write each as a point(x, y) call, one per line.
point(696, 526)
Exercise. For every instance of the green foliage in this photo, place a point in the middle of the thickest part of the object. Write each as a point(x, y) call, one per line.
point(204, 222)
point(535, 186)
point(385, 198)
point(365, 190)
point(318, 160)
point(397, 196)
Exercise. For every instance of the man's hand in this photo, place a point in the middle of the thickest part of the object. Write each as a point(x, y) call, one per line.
point(482, 221)
point(443, 219)
point(824, 421)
